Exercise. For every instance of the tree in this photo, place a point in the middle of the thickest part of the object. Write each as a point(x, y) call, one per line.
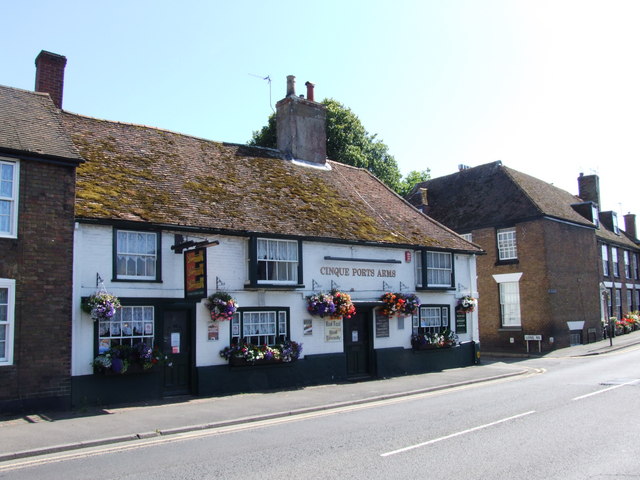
point(413, 177)
point(347, 142)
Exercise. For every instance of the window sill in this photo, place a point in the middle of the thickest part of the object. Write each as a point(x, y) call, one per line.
point(273, 286)
point(513, 261)
point(510, 329)
point(133, 280)
point(423, 289)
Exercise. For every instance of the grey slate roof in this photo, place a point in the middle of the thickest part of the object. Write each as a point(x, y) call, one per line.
point(31, 124)
point(144, 174)
point(494, 195)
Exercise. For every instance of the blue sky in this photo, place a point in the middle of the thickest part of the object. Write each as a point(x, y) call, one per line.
point(551, 88)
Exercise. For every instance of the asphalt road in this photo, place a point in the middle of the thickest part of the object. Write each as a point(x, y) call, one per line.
point(572, 418)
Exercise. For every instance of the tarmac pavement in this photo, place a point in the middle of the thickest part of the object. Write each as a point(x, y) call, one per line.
point(50, 432)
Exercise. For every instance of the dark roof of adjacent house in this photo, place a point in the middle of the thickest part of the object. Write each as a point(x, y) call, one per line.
point(30, 124)
point(494, 195)
point(622, 239)
point(144, 174)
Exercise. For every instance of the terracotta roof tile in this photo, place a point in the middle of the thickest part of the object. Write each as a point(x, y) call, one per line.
point(149, 175)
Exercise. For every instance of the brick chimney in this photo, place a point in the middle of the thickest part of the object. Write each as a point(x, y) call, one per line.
point(301, 125)
point(630, 225)
point(50, 75)
point(589, 188)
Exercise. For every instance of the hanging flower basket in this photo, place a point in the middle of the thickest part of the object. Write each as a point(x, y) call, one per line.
point(321, 304)
point(101, 306)
point(399, 304)
point(335, 304)
point(467, 304)
point(344, 306)
point(222, 306)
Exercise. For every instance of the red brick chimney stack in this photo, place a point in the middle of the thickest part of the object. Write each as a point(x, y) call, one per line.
point(630, 225)
point(310, 91)
point(50, 75)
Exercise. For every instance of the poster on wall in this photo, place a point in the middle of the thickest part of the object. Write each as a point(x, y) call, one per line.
point(213, 331)
point(382, 324)
point(333, 330)
point(195, 273)
point(307, 326)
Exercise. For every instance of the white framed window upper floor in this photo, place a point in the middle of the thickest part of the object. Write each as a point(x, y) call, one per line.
point(9, 180)
point(275, 262)
point(507, 245)
point(605, 260)
point(434, 270)
point(7, 320)
point(136, 255)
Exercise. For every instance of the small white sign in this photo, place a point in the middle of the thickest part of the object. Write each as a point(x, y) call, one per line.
point(533, 337)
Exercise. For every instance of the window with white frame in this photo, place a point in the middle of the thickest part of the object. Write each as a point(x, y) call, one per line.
point(7, 311)
point(439, 269)
point(610, 301)
point(619, 302)
point(136, 256)
point(418, 264)
point(605, 261)
point(614, 261)
point(629, 300)
point(636, 266)
point(431, 319)
point(131, 325)
point(507, 248)
point(510, 304)
point(260, 326)
point(8, 198)
point(277, 261)
point(467, 236)
point(627, 263)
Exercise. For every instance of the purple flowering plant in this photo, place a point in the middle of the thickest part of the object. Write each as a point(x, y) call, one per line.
point(321, 304)
point(222, 306)
point(101, 306)
point(285, 352)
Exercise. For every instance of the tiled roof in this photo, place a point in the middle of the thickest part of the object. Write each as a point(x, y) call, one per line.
point(493, 194)
point(144, 174)
point(30, 123)
point(607, 236)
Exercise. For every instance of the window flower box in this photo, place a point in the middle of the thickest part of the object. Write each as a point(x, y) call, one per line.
point(433, 341)
point(243, 354)
point(124, 359)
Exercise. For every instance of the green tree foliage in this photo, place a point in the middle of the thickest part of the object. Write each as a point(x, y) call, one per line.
point(347, 142)
point(413, 177)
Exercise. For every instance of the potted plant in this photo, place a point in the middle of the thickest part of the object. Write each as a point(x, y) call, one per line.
point(431, 341)
point(321, 304)
point(244, 353)
point(399, 304)
point(467, 304)
point(121, 359)
point(221, 306)
point(344, 306)
point(101, 306)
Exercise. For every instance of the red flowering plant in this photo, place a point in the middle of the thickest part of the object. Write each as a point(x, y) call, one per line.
point(399, 304)
point(344, 306)
point(467, 304)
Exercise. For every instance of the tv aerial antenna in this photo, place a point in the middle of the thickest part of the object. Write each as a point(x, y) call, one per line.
point(268, 79)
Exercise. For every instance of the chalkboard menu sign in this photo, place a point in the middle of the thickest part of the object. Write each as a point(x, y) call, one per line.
point(461, 321)
point(382, 324)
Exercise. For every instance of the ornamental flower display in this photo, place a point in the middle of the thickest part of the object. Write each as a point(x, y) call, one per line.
point(249, 353)
point(222, 306)
point(344, 306)
point(321, 304)
point(121, 359)
point(101, 306)
point(445, 339)
point(399, 304)
point(467, 304)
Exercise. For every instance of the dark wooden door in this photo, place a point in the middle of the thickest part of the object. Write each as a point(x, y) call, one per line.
point(176, 339)
point(357, 345)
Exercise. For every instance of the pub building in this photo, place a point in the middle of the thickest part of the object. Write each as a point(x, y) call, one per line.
point(206, 268)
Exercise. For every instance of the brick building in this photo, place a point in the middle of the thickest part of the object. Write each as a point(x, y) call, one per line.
point(37, 188)
point(619, 251)
point(539, 277)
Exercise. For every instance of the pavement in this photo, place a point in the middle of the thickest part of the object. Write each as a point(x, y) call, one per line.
point(42, 433)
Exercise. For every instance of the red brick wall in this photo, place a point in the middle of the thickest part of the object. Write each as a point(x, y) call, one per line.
point(559, 283)
point(40, 260)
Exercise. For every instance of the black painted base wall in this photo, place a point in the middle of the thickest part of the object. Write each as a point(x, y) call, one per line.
point(224, 379)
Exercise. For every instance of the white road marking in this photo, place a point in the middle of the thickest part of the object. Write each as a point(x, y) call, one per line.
point(605, 390)
point(457, 434)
